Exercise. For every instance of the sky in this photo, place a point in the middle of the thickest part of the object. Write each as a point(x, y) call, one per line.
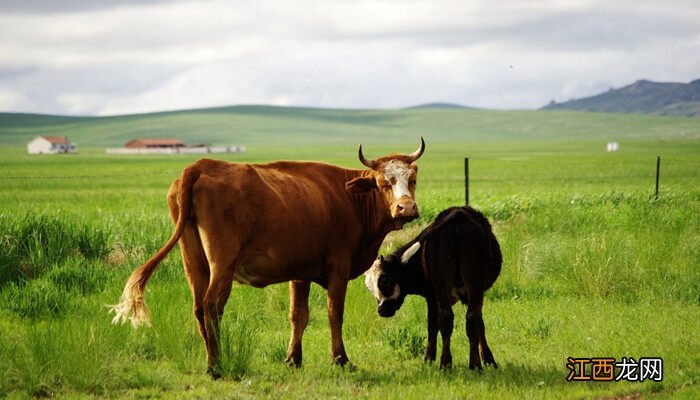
point(111, 57)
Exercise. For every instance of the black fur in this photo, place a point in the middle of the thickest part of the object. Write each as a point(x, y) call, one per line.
point(458, 251)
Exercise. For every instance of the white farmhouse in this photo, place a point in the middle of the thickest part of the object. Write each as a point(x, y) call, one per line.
point(51, 145)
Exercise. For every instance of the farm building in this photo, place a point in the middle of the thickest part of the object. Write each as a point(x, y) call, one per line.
point(51, 145)
point(171, 146)
point(158, 143)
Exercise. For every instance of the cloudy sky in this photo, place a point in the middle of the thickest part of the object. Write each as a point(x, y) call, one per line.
point(105, 57)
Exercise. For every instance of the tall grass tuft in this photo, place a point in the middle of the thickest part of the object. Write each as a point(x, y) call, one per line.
point(33, 244)
point(36, 299)
point(80, 276)
point(236, 345)
point(50, 356)
point(405, 341)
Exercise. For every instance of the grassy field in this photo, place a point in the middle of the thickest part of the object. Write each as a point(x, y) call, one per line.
point(594, 266)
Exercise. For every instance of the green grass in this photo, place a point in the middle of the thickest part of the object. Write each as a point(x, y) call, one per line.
point(593, 265)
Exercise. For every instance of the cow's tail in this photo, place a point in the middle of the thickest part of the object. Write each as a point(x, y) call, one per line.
point(132, 305)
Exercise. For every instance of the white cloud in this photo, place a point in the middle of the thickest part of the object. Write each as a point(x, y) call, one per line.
point(111, 57)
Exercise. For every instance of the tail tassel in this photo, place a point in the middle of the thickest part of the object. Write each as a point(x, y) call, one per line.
point(131, 308)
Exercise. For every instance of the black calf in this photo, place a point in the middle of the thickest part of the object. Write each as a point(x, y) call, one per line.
point(457, 257)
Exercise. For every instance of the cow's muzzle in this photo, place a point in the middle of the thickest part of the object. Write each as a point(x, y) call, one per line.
point(405, 209)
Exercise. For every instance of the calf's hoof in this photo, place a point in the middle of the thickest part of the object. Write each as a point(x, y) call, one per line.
point(445, 362)
point(488, 359)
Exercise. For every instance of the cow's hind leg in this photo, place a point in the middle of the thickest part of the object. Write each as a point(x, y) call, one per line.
point(195, 261)
point(197, 271)
point(214, 302)
point(298, 319)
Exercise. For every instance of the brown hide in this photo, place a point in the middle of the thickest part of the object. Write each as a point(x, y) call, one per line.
point(285, 221)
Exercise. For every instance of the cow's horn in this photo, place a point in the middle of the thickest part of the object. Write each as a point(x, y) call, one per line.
point(416, 154)
point(371, 164)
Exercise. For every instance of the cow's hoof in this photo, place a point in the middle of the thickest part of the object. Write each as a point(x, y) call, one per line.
point(341, 360)
point(293, 362)
point(215, 375)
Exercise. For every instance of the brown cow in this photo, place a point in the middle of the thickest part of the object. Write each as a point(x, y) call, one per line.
point(260, 224)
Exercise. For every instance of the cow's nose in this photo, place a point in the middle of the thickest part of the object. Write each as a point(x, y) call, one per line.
point(407, 209)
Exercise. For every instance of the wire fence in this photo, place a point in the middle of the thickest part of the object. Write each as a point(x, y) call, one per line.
point(480, 178)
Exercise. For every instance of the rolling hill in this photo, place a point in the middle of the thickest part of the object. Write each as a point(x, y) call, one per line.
point(267, 126)
point(641, 97)
point(438, 105)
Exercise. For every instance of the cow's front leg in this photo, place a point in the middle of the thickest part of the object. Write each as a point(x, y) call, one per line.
point(337, 286)
point(298, 319)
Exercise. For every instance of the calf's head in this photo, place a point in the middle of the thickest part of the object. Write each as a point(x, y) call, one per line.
point(395, 179)
point(383, 280)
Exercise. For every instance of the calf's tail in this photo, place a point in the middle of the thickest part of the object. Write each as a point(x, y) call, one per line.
point(132, 305)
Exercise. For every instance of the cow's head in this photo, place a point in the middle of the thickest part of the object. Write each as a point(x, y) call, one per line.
point(395, 179)
point(383, 280)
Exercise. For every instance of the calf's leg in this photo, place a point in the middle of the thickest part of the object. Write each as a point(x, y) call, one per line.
point(485, 350)
point(475, 327)
point(446, 317)
point(298, 319)
point(433, 328)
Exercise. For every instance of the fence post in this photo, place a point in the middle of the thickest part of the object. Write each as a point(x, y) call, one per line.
point(658, 168)
point(466, 180)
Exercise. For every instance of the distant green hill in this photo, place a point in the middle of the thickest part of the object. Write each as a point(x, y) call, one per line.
point(642, 97)
point(267, 126)
point(438, 106)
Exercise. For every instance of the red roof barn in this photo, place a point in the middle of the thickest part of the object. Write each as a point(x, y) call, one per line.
point(155, 143)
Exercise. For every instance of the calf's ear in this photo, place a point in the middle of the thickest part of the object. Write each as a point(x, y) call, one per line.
point(360, 185)
point(410, 252)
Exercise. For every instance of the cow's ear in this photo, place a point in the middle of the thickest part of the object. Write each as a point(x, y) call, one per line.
point(409, 253)
point(361, 185)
